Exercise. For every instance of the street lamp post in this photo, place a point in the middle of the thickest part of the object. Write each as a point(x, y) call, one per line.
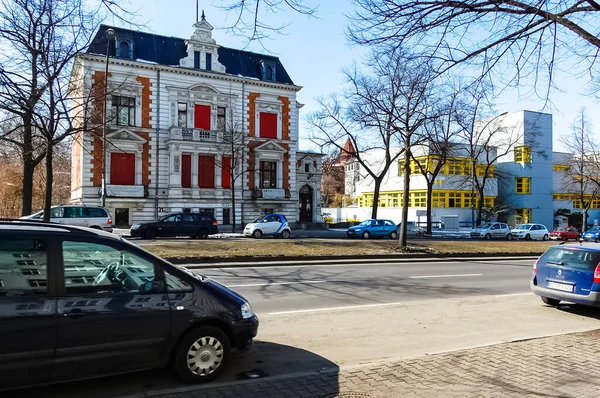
point(110, 33)
point(474, 174)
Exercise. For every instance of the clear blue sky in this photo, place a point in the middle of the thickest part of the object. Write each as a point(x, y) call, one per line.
point(314, 50)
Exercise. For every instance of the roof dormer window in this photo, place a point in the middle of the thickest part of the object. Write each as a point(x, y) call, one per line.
point(208, 61)
point(124, 48)
point(268, 71)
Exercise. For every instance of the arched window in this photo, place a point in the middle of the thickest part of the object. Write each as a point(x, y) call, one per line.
point(124, 49)
point(269, 73)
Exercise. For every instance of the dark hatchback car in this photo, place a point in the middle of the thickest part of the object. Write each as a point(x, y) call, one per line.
point(77, 303)
point(195, 225)
point(568, 273)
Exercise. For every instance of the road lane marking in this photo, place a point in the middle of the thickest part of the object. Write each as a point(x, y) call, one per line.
point(277, 283)
point(443, 276)
point(350, 307)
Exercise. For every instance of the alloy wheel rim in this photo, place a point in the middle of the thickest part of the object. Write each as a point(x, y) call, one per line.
point(205, 356)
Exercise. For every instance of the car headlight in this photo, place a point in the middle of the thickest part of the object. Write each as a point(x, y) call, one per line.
point(135, 226)
point(247, 311)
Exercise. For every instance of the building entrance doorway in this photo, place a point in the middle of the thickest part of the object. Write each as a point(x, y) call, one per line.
point(306, 203)
point(121, 217)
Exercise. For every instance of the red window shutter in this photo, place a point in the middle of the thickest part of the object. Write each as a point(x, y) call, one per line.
point(206, 171)
point(268, 125)
point(202, 117)
point(186, 170)
point(122, 169)
point(226, 171)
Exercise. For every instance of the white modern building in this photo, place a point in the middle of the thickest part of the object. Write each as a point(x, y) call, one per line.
point(526, 178)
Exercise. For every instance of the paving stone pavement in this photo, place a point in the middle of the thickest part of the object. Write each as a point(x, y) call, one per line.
point(558, 366)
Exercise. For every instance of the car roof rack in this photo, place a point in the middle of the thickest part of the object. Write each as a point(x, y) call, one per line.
point(42, 223)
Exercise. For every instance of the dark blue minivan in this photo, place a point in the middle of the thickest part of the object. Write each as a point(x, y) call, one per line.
point(77, 303)
point(568, 273)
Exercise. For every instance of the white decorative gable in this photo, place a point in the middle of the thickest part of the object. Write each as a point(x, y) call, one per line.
point(270, 147)
point(202, 43)
point(125, 135)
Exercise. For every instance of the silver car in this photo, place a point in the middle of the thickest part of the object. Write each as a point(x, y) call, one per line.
point(96, 217)
point(492, 230)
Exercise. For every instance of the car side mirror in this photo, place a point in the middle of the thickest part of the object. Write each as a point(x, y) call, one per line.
point(152, 287)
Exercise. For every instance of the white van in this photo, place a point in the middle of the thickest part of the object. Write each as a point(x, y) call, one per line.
point(96, 217)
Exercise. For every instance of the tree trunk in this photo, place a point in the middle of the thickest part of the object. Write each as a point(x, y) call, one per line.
point(28, 167)
point(429, 201)
point(479, 206)
point(376, 198)
point(49, 181)
point(405, 198)
point(27, 199)
point(233, 223)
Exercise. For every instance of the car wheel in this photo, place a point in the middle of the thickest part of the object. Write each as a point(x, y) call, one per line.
point(564, 237)
point(202, 233)
point(366, 235)
point(550, 301)
point(545, 237)
point(509, 237)
point(394, 235)
point(202, 354)
point(257, 234)
point(285, 234)
point(527, 237)
point(150, 234)
point(488, 236)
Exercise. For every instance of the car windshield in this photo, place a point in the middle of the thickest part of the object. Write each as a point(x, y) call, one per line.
point(485, 225)
point(257, 220)
point(594, 229)
point(560, 229)
point(524, 226)
point(366, 222)
point(571, 258)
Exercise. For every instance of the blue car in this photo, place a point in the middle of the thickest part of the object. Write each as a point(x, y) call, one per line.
point(372, 228)
point(568, 273)
point(592, 234)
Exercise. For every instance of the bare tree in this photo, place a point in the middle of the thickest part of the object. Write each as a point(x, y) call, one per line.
point(441, 132)
point(525, 37)
point(233, 148)
point(381, 113)
point(251, 16)
point(42, 38)
point(332, 183)
point(580, 178)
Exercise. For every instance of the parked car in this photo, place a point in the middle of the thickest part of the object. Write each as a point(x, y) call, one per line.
point(492, 230)
point(568, 273)
point(530, 231)
point(373, 228)
point(592, 234)
point(564, 233)
point(270, 225)
point(96, 217)
point(85, 303)
point(194, 225)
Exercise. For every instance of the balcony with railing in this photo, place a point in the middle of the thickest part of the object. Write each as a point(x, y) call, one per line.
point(191, 134)
point(271, 193)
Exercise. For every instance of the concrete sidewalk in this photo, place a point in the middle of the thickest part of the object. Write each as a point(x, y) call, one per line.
point(558, 366)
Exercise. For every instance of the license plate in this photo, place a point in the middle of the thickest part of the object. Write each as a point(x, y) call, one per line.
point(561, 286)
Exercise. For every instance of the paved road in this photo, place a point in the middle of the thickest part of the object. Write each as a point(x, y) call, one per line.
point(326, 316)
point(282, 289)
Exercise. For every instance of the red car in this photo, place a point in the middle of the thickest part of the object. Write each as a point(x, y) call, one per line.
point(565, 233)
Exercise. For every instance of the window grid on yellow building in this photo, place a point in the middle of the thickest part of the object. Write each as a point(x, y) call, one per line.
point(523, 185)
point(560, 167)
point(523, 154)
point(525, 215)
point(418, 199)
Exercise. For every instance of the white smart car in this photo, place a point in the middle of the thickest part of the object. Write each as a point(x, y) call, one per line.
point(271, 224)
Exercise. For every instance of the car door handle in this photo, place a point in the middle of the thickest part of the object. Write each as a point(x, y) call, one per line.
point(76, 313)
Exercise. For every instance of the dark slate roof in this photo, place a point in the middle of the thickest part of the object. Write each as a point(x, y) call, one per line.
point(166, 50)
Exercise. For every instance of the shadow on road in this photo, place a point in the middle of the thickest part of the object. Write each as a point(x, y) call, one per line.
point(264, 360)
point(583, 310)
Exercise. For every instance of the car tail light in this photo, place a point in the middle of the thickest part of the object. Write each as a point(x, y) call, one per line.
point(535, 266)
point(597, 274)
point(109, 221)
point(215, 222)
